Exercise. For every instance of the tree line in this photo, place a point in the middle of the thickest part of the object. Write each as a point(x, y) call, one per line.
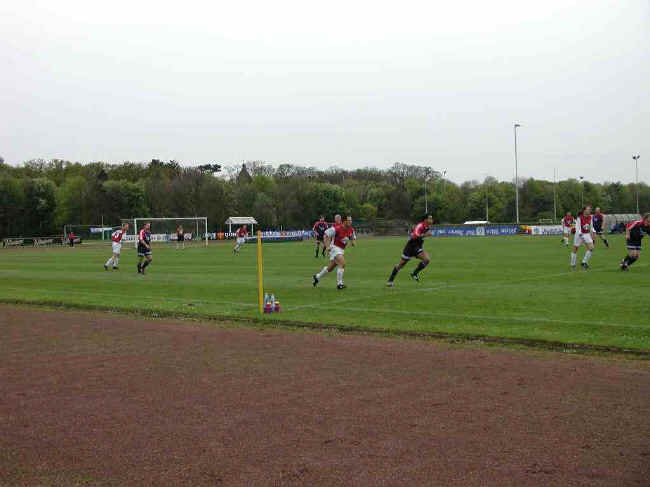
point(40, 196)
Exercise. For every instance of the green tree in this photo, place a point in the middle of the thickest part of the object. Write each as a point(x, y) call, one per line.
point(12, 201)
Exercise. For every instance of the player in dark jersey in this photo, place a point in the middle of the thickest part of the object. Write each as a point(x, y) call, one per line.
point(413, 248)
point(633, 235)
point(598, 220)
point(180, 237)
point(319, 230)
point(144, 248)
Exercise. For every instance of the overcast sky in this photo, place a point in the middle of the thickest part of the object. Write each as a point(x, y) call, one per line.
point(346, 83)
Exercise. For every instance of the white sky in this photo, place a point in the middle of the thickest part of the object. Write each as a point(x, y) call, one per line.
point(346, 83)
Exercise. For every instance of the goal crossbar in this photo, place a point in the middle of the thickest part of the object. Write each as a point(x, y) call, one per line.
point(197, 219)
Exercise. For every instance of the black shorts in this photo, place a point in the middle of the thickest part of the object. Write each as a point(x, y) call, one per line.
point(633, 244)
point(180, 238)
point(143, 251)
point(413, 248)
point(598, 230)
point(319, 237)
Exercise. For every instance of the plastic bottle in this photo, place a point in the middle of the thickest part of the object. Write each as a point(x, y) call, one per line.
point(267, 303)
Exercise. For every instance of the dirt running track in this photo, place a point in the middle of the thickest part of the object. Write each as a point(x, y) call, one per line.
point(100, 399)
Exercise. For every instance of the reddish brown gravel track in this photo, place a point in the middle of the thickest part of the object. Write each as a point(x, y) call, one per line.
point(101, 399)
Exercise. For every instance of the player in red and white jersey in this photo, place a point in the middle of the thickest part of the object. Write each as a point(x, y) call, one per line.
point(584, 236)
point(116, 242)
point(336, 239)
point(241, 234)
point(413, 248)
point(633, 236)
point(567, 225)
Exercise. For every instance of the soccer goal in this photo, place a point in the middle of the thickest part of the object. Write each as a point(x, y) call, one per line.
point(164, 230)
point(88, 233)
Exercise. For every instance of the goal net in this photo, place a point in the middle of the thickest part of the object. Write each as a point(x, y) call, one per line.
point(88, 233)
point(165, 230)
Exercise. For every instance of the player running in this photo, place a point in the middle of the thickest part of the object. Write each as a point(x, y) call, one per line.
point(584, 235)
point(567, 226)
point(241, 234)
point(319, 230)
point(413, 248)
point(336, 238)
point(116, 238)
point(144, 248)
point(599, 220)
point(633, 236)
point(180, 237)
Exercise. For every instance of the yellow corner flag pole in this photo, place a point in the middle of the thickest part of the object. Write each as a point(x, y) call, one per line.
point(260, 271)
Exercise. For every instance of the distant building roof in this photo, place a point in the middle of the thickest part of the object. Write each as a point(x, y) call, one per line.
point(244, 176)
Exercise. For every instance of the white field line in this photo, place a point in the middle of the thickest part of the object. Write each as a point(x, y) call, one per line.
point(148, 298)
point(523, 319)
point(442, 286)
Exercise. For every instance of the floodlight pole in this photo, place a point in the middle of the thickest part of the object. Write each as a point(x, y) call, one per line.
point(554, 195)
point(516, 175)
point(636, 162)
point(582, 192)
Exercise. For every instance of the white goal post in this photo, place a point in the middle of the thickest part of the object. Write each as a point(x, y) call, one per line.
point(199, 223)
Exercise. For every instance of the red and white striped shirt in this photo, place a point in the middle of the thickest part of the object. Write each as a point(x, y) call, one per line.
point(117, 236)
point(419, 230)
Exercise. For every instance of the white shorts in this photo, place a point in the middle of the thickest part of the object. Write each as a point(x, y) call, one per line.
point(334, 251)
point(241, 240)
point(567, 230)
point(581, 238)
point(117, 248)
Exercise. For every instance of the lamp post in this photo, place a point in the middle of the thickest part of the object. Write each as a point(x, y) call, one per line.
point(427, 171)
point(516, 126)
point(554, 195)
point(487, 204)
point(636, 163)
point(582, 192)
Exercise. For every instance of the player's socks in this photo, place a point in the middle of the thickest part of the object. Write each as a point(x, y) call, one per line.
point(393, 274)
point(606, 242)
point(585, 259)
point(108, 262)
point(630, 260)
point(322, 272)
point(339, 276)
point(420, 266)
point(574, 257)
point(317, 249)
point(146, 263)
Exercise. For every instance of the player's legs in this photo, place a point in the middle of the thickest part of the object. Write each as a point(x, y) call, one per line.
point(566, 237)
point(340, 263)
point(402, 262)
point(633, 254)
point(602, 237)
point(147, 261)
point(424, 261)
point(317, 247)
point(589, 243)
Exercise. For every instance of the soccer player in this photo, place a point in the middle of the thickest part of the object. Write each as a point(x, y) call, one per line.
point(584, 235)
point(241, 233)
point(319, 229)
point(144, 248)
point(116, 238)
point(567, 225)
point(336, 238)
point(413, 248)
point(599, 219)
point(633, 236)
point(71, 238)
point(180, 237)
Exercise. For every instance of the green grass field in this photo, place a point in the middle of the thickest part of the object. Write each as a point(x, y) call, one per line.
point(513, 287)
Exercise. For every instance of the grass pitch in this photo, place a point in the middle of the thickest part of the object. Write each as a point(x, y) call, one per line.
point(512, 287)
